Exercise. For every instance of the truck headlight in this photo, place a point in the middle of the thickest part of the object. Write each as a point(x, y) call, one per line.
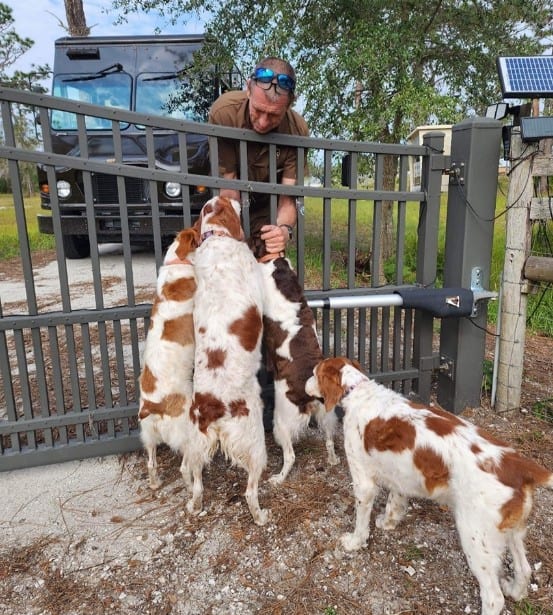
point(64, 189)
point(172, 189)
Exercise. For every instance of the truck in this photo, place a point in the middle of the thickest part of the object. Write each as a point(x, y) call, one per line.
point(146, 74)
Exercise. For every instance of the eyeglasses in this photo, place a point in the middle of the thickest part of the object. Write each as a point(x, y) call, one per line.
point(264, 78)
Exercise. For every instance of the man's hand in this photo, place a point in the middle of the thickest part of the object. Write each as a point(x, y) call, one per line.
point(275, 238)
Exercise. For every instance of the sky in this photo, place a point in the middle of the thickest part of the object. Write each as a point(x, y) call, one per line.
point(44, 26)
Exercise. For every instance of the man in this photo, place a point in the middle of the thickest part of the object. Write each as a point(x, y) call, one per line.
point(265, 106)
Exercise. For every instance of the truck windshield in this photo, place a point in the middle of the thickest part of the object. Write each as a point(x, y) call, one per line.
point(167, 94)
point(104, 89)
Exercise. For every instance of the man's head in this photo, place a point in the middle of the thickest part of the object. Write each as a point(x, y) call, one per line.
point(270, 92)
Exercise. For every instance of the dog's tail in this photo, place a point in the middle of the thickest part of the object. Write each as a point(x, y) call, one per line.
point(541, 476)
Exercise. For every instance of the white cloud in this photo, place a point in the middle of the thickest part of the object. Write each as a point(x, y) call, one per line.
point(44, 26)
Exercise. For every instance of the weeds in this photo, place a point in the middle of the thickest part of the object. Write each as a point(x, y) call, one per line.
point(525, 607)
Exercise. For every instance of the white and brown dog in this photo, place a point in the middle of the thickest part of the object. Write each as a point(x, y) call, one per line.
point(423, 451)
point(228, 308)
point(168, 357)
point(292, 350)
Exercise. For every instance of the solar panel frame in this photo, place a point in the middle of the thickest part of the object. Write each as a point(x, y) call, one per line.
point(526, 77)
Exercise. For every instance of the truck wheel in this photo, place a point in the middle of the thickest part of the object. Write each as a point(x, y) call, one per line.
point(76, 246)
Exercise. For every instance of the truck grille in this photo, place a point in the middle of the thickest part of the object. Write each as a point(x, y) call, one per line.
point(104, 190)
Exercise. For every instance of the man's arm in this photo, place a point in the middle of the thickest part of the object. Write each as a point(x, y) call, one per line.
point(276, 236)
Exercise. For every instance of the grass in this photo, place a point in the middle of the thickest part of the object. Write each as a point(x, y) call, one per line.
point(525, 607)
point(9, 238)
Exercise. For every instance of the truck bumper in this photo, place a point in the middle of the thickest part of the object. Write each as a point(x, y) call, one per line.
point(109, 228)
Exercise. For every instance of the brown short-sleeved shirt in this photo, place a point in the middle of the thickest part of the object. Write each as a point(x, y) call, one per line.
point(232, 109)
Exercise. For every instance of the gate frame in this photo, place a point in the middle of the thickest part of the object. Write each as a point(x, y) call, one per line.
point(415, 368)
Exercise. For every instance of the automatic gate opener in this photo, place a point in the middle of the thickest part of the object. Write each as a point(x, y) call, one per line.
point(440, 302)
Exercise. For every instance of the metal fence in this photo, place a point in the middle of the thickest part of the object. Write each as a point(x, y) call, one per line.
point(71, 331)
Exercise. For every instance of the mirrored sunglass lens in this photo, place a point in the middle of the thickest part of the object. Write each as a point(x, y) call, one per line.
point(285, 82)
point(264, 74)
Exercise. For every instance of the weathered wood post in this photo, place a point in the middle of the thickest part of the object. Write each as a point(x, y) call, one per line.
point(514, 286)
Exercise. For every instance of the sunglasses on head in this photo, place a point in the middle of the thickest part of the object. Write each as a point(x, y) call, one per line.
point(265, 79)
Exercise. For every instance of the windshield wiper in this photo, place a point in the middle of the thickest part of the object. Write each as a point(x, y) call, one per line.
point(178, 75)
point(114, 68)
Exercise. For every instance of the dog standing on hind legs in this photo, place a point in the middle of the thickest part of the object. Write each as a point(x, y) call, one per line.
point(168, 357)
point(293, 350)
point(415, 450)
point(227, 410)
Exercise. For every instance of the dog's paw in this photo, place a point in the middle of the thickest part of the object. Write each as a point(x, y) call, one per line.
point(276, 479)
point(352, 542)
point(194, 507)
point(516, 591)
point(384, 522)
point(261, 517)
point(154, 484)
point(333, 459)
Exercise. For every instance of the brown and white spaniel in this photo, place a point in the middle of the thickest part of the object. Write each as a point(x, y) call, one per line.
point(292, 350)
point(423, 451)
point(168, 357)
point(227, 408)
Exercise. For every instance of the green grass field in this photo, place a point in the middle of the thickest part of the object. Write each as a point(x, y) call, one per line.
point(9, 239)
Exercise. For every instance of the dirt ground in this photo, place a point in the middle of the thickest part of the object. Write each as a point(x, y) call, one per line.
point(90, 537)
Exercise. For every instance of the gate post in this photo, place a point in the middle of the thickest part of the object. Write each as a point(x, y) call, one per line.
point(471, 203)
point(427, 257)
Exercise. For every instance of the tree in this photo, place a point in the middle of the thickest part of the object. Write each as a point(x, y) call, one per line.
point(76, 20)
point(373, 69)
point(12, 47)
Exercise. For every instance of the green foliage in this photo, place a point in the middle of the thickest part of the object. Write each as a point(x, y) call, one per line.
point(487, 377)
point(414, 553)
point(543, 409)
point(371, 69)
point(12, 46)
point(525, 607)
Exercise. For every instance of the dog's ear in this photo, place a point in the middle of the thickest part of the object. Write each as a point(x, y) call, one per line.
point(330, 382)
point(188, 241)
point(227, 217)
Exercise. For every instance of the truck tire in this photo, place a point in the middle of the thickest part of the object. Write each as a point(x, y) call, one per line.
point(76, 246)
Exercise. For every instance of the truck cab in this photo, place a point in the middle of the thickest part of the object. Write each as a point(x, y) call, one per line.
point(146, 74)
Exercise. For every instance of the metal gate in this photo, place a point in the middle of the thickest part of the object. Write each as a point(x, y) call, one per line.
point(71, 332)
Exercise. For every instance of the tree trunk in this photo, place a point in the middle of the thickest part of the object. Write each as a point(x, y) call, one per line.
point(387, 228)
point(76, 20)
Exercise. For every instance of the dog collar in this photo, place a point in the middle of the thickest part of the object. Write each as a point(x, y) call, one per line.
point(209, 234)
point(177, 261)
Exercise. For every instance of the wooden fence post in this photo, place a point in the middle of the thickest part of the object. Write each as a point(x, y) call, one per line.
point(514, 290)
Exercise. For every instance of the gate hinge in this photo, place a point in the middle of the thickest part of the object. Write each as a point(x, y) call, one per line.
point(430, 363)
point(440, 162)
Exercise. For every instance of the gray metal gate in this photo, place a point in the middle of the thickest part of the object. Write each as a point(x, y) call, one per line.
point(71, 332)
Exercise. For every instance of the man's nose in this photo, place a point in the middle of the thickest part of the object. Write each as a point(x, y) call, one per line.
point(263, 122)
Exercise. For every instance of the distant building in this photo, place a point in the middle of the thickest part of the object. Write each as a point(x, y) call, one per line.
point(415, 138)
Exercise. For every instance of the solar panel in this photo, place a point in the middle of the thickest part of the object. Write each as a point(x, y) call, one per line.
point(530, 77)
